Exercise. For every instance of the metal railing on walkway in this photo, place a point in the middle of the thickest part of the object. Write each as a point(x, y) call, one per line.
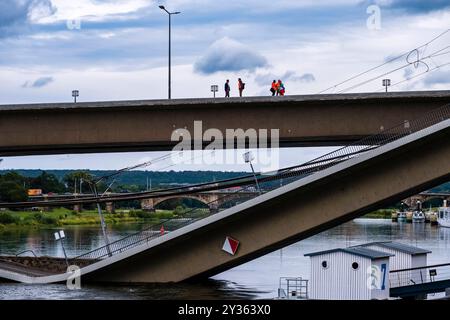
point(420, 275)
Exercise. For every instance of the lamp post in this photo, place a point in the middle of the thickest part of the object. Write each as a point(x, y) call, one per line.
point(93, 185)
point(59, 236)
point(75, 94)
point(170, 46)
point(214, 89)
point(248, 157)
point(386, 83)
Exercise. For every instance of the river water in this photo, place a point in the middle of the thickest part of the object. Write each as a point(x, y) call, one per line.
point(257, 279)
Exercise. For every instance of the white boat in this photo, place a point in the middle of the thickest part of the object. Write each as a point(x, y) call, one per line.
point(401, 216)
point(433, 217)
point(444, 217)
point(418, 216)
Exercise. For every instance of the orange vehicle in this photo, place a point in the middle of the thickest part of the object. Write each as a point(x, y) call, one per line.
point(34, 192)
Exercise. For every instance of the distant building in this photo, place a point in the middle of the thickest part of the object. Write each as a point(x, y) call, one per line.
point(349, 274)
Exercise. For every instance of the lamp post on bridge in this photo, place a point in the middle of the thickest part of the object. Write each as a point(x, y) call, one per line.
point(93, 185)
point(75, 94)
point(386, 83)
point(170, 46)
point(214, 89)
point(248, 157)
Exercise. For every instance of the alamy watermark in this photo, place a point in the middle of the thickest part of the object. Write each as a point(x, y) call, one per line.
point(206, 146)
point(74, 280)
point(374, 20)
point(377, 277)
point(73, 24)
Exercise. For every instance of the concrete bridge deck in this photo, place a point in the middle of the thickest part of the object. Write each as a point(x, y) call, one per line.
point(280, 217)
point(310, 120)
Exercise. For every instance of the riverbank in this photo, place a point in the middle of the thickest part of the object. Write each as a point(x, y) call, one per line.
point(66, 217)
point(379, 214)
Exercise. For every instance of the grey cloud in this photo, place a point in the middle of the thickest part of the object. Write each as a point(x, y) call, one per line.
point(408, 73)
point(229, 55)
point(16, 15)
point(307, 77)
point(291, 75)
point(412, 6)
point(38, 83)
point(442, 77)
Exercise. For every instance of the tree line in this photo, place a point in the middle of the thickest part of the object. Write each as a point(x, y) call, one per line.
point(14, 185)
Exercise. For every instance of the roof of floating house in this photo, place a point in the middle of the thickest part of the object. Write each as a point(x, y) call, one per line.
point(396, 246)
point(358, 251)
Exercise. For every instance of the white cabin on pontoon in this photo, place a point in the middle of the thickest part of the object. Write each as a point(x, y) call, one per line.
point(403, 256)
point(349, 274)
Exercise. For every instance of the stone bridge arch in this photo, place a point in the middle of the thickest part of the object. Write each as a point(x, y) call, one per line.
point(412, 201)
point(214, 200)
point(209, 200)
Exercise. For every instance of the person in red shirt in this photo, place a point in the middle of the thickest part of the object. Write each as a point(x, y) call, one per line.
point(273, 89)
point(241, 87)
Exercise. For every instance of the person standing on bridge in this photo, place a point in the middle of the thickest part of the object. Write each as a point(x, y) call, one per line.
point(227, 89)
point(281, 88)
point(241, 86)
point(274, 87)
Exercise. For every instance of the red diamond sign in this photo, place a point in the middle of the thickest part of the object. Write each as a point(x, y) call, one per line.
point(230, 245)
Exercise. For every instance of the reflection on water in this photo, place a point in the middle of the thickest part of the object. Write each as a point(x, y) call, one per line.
point(254, 280)
point(208, 290)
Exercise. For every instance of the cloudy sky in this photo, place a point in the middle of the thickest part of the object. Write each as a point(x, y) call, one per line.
point(117, 50)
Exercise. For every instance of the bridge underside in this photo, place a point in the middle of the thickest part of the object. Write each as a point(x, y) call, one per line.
point(318, 120)
point(291, 216)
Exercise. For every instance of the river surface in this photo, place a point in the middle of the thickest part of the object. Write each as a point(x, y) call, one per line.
point(257, 279)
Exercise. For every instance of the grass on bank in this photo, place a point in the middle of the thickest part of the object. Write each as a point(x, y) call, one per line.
point(63, 216)
point(380, 214)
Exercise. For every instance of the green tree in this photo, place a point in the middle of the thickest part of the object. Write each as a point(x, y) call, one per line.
point(11, 191)
point(12, 187)
point(13, 177)
point(73, 178)
point(47, 182)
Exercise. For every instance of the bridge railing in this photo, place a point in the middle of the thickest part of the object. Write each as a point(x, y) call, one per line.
point(419, 275)
point(273, 180)
point(156, 230)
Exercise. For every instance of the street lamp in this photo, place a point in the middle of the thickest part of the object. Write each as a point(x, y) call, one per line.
point(248, 157)
point(75, 94)
point(386, 83)
point(59, 236)
point(170, 47)
point(214, 89)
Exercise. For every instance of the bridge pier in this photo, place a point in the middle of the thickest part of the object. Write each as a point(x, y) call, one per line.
point(148, 205)
point(46, 209)
point(213, 207)
point(110, 207)
point(78, 208)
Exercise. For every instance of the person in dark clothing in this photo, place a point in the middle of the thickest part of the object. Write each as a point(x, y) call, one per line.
point(241, 87)
point(227, 89)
